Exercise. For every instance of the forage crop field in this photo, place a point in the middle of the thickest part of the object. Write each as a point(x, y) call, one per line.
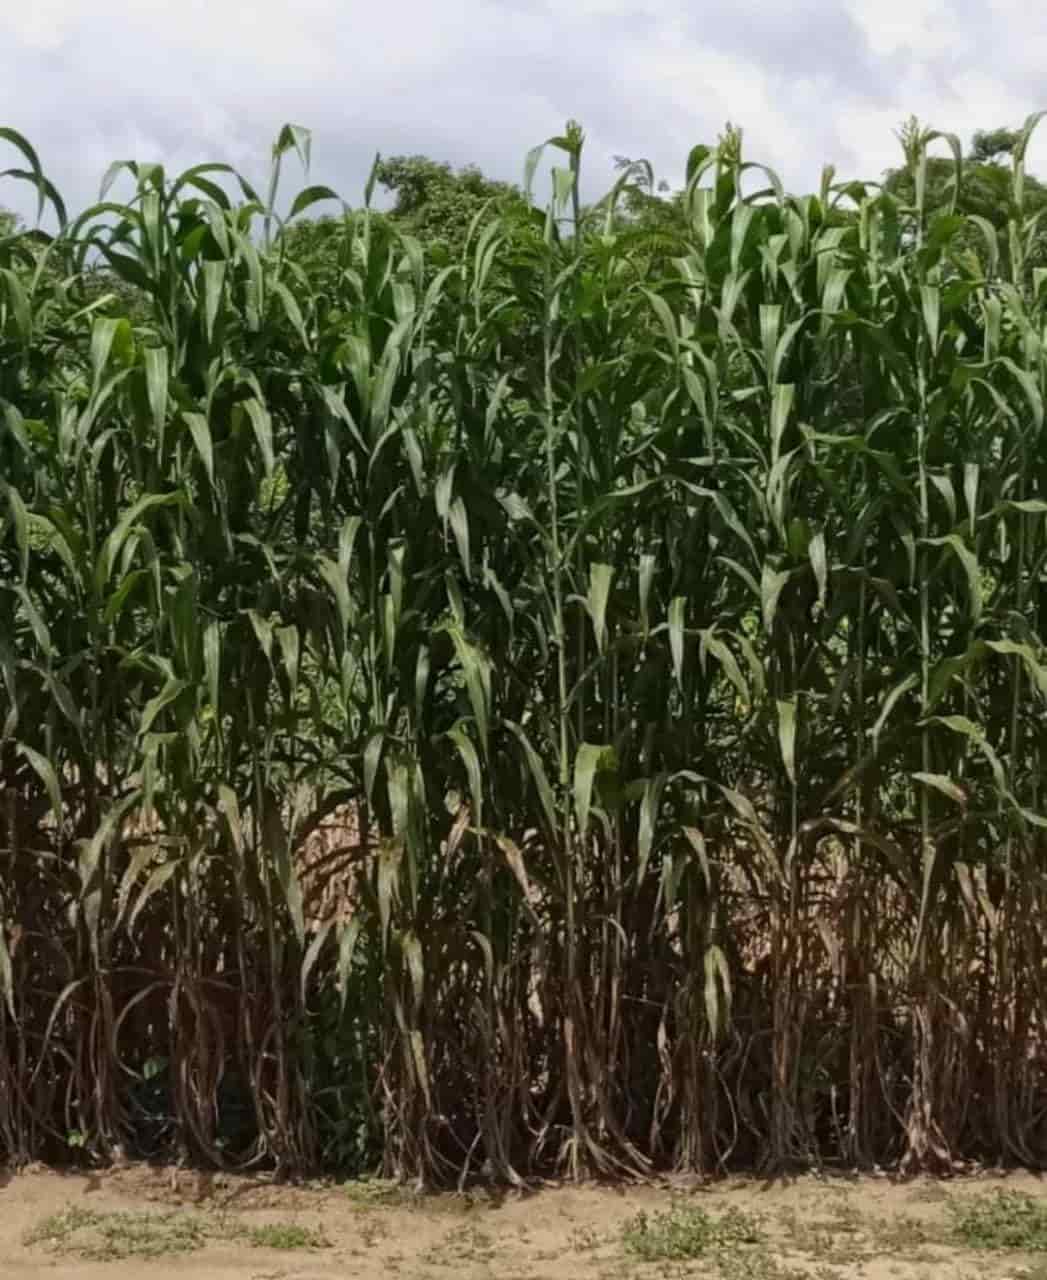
point(574, 704)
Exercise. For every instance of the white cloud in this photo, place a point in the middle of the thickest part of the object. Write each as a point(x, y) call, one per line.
point(917, 28)
point(482, 80)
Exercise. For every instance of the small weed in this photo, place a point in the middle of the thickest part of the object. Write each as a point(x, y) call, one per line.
point(372, 1231)
point(1005, 1220)
point(106, 1237)
point(583, 1239)
point(900, 1233)
point(468, 1244)
point(475, 1244)
point(685, 1232)
point(845, 1238)
point(377, 1192)
point(387, 1193)
point(845, 1217)
point(756, 1264)
point(286, 1235)
point(835, 1239)
point(56, 1228)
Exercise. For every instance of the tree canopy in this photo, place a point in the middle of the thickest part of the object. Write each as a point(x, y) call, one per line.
point(986, 189)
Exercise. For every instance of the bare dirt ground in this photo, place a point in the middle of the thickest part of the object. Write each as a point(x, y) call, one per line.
point(188, 1226)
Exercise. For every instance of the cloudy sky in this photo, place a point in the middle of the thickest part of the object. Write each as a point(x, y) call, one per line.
point(811, 81)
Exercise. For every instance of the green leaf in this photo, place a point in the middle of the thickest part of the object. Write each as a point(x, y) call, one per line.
point(296, 137)
point(159, 877)
point(903, 686)
point(676, 627)
point(263, 630)
point(649, 807)
point(666, 320)
point(819, 564)
point(712, 644)
point(114, 543)
point(141, 859)
point(771, 586)
point(477, 681)
point(18, 301)
point(309, 196)
point(7, 986)
point(645, 580)
point(943, 784)
point(459, 521)
point(347, 937)
point(1037, 672)
point(787, 736)
point(962, 724)
point(229, 807)
point(372, 758)
point(471, 760)
point(212, 664)
point(22, 144)
point(588, 761)
point(1027, 506)
point(1030, 387)
point(335, 576)
point(214, 281)
point(971, 568)
point(288, 640)
point(293, 312)
point(930, 301)
point(411, 947)
point(201, 436)
point(263, 430)
point(781, 407)
point(278, 849)
point(311, 956)
point(45, 771)
point(104, 334)
point(600, 579)
point(156, 374)
point(20, 520)
point(718, 993)
point(172, 690)
point(538, 774)
point(116, 602)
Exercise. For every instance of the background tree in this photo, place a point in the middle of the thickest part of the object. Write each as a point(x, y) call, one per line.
point(432, 202)
point(438, 204)
point(992, 146)
point(985, 191)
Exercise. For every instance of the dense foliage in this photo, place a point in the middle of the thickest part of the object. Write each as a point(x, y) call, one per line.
point(580, 706)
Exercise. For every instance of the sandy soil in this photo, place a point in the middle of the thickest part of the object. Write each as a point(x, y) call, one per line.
point(827, 1229)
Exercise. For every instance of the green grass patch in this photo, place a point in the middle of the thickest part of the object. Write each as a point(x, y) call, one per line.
point(286, 1235)
point(1004, 1220)
point(105, 1237)
point(684, 1232)
point(108, 1237)
point(373, 1193)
